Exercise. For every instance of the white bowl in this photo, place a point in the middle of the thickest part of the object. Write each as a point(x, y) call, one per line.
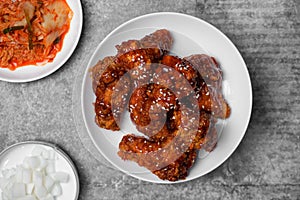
point(15, 154)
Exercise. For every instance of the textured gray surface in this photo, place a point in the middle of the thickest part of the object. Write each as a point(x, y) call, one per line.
point(266, 164)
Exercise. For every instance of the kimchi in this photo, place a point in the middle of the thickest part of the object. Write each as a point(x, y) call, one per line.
point(32, 31)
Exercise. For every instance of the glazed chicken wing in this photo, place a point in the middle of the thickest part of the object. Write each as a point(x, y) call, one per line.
point(209, 94)
point(165, 162)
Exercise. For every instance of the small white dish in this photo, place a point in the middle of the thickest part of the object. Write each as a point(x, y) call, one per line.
point(31, 72)
point(15, 154)
point(191, 35)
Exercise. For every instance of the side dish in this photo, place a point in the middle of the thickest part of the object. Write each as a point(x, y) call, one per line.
point(174, 102)
point(35, 178)
point(32, 31)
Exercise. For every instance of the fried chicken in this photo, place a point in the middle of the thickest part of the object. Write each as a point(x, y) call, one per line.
point(110, 73)
point(166, 162)
point(175, 102)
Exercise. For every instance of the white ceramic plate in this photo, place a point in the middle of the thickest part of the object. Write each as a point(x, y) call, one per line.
point(191, 35)
point(15, 154)
point(31, 72)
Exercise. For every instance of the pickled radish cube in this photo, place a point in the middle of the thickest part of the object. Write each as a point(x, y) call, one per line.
point(48, 197)
point(61, 177)
point(27, 197)
point(27, 175)
point(50, 168)
point(56, 190)
point(37, 178)
point(18, 190)
point(33, 162)
point(26, 164)
point(40, 191)
point(48, 183)
point(43, 162)
point(37, 151)
point(29, 188)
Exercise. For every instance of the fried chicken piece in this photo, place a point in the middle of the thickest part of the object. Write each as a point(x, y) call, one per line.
point(210, 97)
point(212, 100)
point(205, 77)
point(165, 162)
point(138, 58)
point(208, 68)
point(160, 39)
point(178, 170)
point(98, 70)
point(106, 82)
point(210, 140)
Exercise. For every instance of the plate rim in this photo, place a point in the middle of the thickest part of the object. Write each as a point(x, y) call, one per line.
point(249, 84)
point(55, 148)
point(64, 60)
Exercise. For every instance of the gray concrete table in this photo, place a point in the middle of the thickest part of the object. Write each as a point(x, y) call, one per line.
point(266, 164)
